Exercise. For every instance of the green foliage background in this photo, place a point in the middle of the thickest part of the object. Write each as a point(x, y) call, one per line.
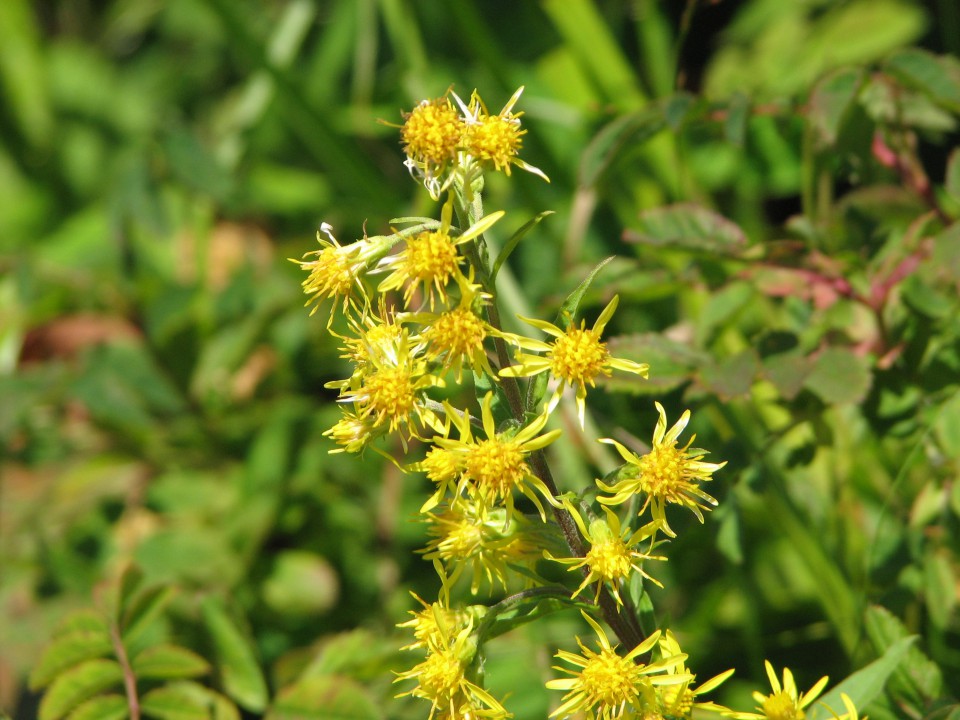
point(778, 181)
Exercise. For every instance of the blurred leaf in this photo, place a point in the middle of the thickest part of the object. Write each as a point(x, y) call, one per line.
point(236, 661)
point(360, 654)
point(130, 582)
point(144, 611)
point(919, 676)
point(732, 376)
point(166, 662)
point(174, 702)
point(939, 587)
point(301, 583)
point(688, 226)
point(865, 684)
point(937, 77)
point(67, 651)
point(738, 113)
point(22, 71)
point(324, 697)
point(839, 377)
point(83, 621)
point(946, 426)
point(78, 684)
point(671, 362)
point(610, 143)
point(951, 181)
point(195, 166)
point(677, 109)
point(788, 372)
point(831, 101)
point(104, 707)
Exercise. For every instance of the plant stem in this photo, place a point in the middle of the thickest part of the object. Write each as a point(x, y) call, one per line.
point(129, 679)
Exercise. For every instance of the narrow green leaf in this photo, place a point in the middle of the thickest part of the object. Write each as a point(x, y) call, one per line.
point(143, 611)
point(66, 651)
point(919, 677)
point(865, 684)
point(77, 685)
point(104, 707)
point(86, 620)
point(610, 143)
point(130, 582)
point(514, 240)
point(831, 100)
point(940, 588)
point(946, 426)
point(174, 702)
point(324, 697)
point(937, 77)
point(738, 113)
point(951, 182)
point(688, 226)
point(239, 670)
point(165, 662)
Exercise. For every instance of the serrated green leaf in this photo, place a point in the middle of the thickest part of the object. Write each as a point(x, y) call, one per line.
point(865, 684)
point(166, 662)
point(174, 702)
point(66, 651)
point(936, 77)
point(839, 377)
point(831, 101)
point(144, 610)
point(610, 143)
point(690, 227)
point(239, 670)
point(324, 697)
point(514, 240)
point(105, 707)
point(77, 685)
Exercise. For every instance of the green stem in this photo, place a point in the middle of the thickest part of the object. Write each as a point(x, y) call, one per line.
point(469, 208)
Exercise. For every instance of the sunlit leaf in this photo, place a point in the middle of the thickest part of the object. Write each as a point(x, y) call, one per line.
point(174, 702)
point(104, 707)
point(937, 77)
point(688, 226)
point(77, 685)
point(165, 662)
point(324, 697)
point(831, 101)
point(66, 651)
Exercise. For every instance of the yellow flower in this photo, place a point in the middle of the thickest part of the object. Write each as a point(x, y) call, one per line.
point(494, 139)
point(428, 623)
point(576, 357)
point(432, 133)
point(456, 336)
point(442, 677)
point(608, 686)
point(612, 556)
point(391, 390)
point(666, 474)
point(785, 703)
point(337, 269)
point(430, 258)
point(467, 536)
point(679, 701)
point(493, 468)
point(352, 432)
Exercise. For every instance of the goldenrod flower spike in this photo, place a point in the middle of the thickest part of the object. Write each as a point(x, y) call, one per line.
point(576, 357)
point(432, 134)
point(607, 686)
point(784, 702)
point(665, 475)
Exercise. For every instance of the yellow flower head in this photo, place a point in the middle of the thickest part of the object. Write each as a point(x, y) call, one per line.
point(468, 537)
point(679, 701)
point(494, 467)
point(609, 686)
point(352, 432)
point(784, 702)
point(612, 556)
point(442, 677)
point(429, 623)
point(430, 259)
point(432, 134)
point(666, 474)
point(390, 392)
point(336, 272)
point(494, 139)
point(576, 357)
point(455, 337)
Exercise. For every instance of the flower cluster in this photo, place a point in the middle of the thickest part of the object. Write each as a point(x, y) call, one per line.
point(416, 313)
